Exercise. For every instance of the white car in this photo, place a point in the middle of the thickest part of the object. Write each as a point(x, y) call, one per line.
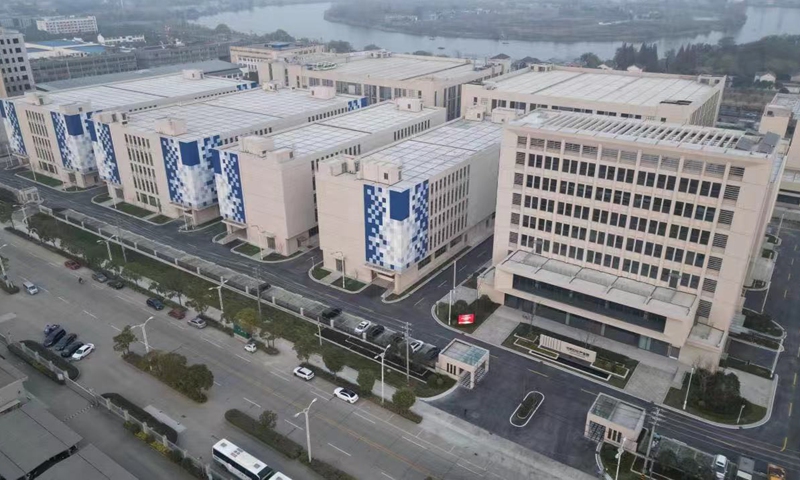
point(363, 326)
point(415, 345)
point(304, 373)
point(83, 351)
point(348, 396)
point(250, 347)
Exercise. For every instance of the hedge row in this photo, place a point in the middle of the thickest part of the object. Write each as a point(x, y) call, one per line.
point(59, 361)
point(175, 455)
point(140, 414)
point(139, 362)
point(16, 350)
point(283, 444)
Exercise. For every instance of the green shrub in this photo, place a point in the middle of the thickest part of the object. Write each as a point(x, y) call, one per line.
point(175, 455)
point(11, 290)
point(252, 427)
point(60, 362)
point(140, 414)
point(326, 470)
point(404, 399)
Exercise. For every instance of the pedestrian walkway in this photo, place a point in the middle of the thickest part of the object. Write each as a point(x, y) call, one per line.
point(496, 329)
point(649, 383)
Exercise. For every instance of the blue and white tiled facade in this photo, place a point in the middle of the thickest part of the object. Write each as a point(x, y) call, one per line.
point(396, 225)
point(229, 185)
point(190, 173)
point(104, 154)
point(11, 123)
point(357, 104)
point(74, 141)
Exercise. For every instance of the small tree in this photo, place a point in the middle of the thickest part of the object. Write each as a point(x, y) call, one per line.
point(304, 347)
point(334, 360)
point(247, 318)
point(172, 282)
point(124, 339)
point(197, 296)
point(404, 399)
point(372, 46)
point(268, 419)
point(366, 380)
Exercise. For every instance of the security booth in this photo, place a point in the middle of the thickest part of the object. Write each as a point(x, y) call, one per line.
point(464, 362)
point(614, 421)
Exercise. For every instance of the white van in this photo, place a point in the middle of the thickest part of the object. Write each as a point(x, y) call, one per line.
point(720, 466)
point(30, 288)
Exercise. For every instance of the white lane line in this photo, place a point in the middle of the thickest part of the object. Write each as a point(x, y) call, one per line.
point(324, 397)
point(292, 424)
point(337, 448)
point(469, 469)
point(419, 301)
point(212, 343)
point(115, 327)
point(279, 375)
point(254, 403)
point(63, 299)
point(53, 264)
point(217, 383)
point(442, 284)
point(90, 314)
point(362, 416)
point(415, 443)
point(387, 475)
point(246, 360)
point(126, 299)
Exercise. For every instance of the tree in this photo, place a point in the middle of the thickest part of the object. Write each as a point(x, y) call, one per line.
point(334, 359)
point(222, 29)
point(199, 378)
point(366, 380)
point(423, 53)
point(304, 347)
point(124, 339)
point(268, 419)
point(247, 318)
point(372, 46)
point(404, 399)
point(197, 296)
point(173, 283)
point(340, 46)
point(590, 60)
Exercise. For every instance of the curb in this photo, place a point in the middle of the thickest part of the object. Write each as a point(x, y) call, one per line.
point(57, 189)
point(133, 216)
point(183, 230)
point(268, 262)
point(334, 286)
point(599, 462)
point(441, 395)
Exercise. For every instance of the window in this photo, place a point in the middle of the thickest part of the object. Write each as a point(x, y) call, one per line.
point(515, 219)
point(709, 285)
point(720, 240)
point(516, 199)
point(703, 309)
point(726, 217)
point(715, 263)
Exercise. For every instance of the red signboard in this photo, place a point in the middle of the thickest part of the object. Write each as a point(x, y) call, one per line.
point(466, 319)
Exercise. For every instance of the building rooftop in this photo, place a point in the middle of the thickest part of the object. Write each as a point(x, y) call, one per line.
point(617, 411)
point(237, 111)
point(664, 301)
point(9, 374)
point(430, 153)
point(465, 352)
point(150, 89)
point(31, 436)
point(88, 463)
point(609, 86)
point(394, 67)
point(788, 100)
point(209, 67)
point(690, 137)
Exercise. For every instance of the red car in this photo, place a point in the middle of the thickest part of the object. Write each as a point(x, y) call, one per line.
point(178, 313)
point(72, 264)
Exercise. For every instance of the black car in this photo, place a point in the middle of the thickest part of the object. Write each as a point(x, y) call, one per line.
point(49, 328)
point(67, 352)
point(331, 312)
point(116, 284)
point(155, 303)
point(375, 331)
point(65, 342)
point(100, 277)
point(54, 337)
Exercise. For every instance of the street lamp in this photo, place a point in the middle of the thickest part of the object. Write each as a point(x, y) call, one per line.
point(340, 256)
point(741, 410)
point(144, 334)
point(688, 387)
point(108, 246)
point(619, 456)
point(450, 306)
point(219, 290)
point(308, 431)
point(382, 355)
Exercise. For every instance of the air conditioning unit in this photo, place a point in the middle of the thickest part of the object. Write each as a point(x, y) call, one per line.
point(272, 86)
point(37, 98)
point(489, 86)
point(171, 126)
point(504, 115)
point(475, 113)
point(256, 145)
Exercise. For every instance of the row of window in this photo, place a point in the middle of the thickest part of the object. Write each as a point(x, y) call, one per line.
point(411, 130)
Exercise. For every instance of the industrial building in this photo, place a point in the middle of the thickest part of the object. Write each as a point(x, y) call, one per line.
point(67, 25)
point(380, 75)
point(640, 231)
point(267, 187)
point(638, 95)
point(397, 213)
point(250, 56)
point(55, 133)
point(160, 159)
point(62, 48)
point(159, 56)
point(780, 117)
point(15, 73)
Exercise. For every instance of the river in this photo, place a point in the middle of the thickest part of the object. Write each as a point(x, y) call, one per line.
point(306, 20)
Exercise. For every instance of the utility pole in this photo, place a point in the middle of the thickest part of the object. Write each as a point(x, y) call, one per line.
point(308, 431)
point(257, 269)
point(408, 362)
point(620, 452)
point(383, 357)
point(452, 290)
point(650, 444)
point(119, 239)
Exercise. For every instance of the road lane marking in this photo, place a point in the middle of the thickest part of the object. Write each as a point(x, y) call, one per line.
point(217, 383)
point(794, 383)
point(415, 443)
point(292, 424)
point(790, 275)
point(442, 284)
point(387, 475)
point(337, 448)
point(254, 403)
point(587, 391)
point(278, 375)
point(126, 299)
point(90, 314)
point(785, 439)
point(324, 397)
point(362, 416)
point(469, 469)
point(213, 343)
point(246, 360)
point(790, 409)
point(785, 291)
point(115, 327)
point(538, 373)
point(419, 301)
point(63, 299)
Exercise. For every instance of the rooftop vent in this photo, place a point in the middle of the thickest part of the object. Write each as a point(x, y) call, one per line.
point(38, 98)
point(192, 74)
point(323, 92)
point(171, 126)
point(256, 145)
point(677, 102)
point(272, 86)
point(409, 104)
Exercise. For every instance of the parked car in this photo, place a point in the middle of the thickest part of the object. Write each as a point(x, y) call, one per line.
point(49, 328)
point(54, 337)
point(179, 313)
point(375, 331)
point(69, 351)
point(304, 373)
point(30, 288)
point(415, 346)
point(720, 466)
point(65, 341)
point(155, 303)
point(250, 346)
point(197, 322)
point(99, 277)
point(72, 264)
point(116, 284)
point(363, 326)
point(396, 338)
point(348, 396)
point(82, 352)
point(331, 312)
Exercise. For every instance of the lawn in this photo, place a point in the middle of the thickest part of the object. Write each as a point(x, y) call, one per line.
point(761, 323)
point(319, 273)
point(274, 257)
point(41, 178)
point(752, 412)
point(732, 362)
point(247, 249)
point(160, 219)
point(352, 285)
point(132, 210)
point(608, 455)
point(103, 197)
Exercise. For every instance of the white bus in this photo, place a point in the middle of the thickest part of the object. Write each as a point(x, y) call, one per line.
point(241, 463)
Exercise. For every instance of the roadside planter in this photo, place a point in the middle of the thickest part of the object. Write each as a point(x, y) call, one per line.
point(526, 409)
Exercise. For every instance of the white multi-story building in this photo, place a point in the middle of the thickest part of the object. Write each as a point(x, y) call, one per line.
point(162, 158)
point(55, 131)
point(399, 212)
point(380, 75)
point(65, 25)
point(16, 77)
point(641, 231)
point(638, 95)
point(780, 116)
point(267, 184)
point(250, 56)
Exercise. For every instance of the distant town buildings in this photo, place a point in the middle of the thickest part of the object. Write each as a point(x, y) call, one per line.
point(251, 56)
point(125, 40)
point(765, 77)
point(15, 68)
point(62, 48)
point(159, 56)
point(52, 69)
point(67, 25)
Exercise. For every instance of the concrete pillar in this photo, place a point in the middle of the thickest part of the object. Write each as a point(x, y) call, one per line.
point(145, 428)
point(125, 415)
point(165, 441)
